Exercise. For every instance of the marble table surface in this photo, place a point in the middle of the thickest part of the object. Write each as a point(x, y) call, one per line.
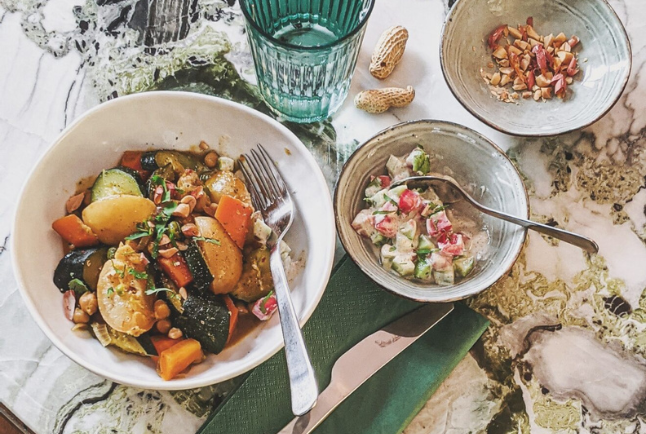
point(566, 350)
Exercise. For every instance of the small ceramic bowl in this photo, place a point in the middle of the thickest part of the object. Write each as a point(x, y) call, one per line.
point(603, 52)
point(178, 121)
point(473, 161)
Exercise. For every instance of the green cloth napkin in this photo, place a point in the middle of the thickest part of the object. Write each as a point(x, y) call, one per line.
point(352, 307)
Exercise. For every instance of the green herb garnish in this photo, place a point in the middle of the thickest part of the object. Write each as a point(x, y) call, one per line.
point(383, 212)
point(110, 291)
point(207, 240)
point(137, 274)
point(78, 286)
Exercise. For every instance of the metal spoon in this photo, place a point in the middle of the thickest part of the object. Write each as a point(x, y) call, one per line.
point(580, 241)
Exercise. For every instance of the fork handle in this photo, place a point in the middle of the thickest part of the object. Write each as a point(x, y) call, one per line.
point(304, 389)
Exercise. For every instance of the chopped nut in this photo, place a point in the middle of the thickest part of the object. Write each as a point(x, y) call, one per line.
point(560, 38)
point(515, 50)
point(531, 33)
point(190, 201)
point(546, 92)
point(568, 80)
point(537, 95)
point(515, 95)
point(503, 63)
point(74, 202)
point(183, 293)
point(168, 253)
point(181, 246)
point(527, 94)
point(522, 45)
point(203, 145)
point(500, 53)
point(532, 42)
point(548, 40)
point(542, 81)
point(566, 47)
point(514, 32)
point(190, 230)
point(507, 71)
point(175, 333)
point(505, 80)
point(521, 86)
point(182, 210)
point(211, 159)
point(524, 62)
point(164, 240)
point(495, 79)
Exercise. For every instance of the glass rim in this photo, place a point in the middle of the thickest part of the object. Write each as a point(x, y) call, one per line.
point(354, 31)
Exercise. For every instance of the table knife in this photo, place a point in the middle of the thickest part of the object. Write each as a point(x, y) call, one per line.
point(363, 360)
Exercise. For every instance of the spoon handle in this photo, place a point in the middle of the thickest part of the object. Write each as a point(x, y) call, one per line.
point(580, 241)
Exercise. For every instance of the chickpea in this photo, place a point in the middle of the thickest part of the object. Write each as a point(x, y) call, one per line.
point(161, 310)
point(80, 317)
point(175, 333)
point(163, 326)
point(211, 159)
point(88, 303)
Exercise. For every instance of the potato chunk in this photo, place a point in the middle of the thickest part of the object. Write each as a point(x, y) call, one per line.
point(114, 218)
point(226, 183)
point(224, 260)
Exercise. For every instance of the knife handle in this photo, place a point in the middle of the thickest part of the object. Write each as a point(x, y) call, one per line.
point(328, 400)
point(302, 382)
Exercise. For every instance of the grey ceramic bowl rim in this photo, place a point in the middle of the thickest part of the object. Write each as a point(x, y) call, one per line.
point(430, 123)
point(362, 23)
point(557, 132)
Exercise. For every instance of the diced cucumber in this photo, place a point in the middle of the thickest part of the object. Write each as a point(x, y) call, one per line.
point(373, 188)
point(425, 243)
point(463, 265)
point(387, 254)
point(379, 199)
point(377, 238)
point(225, 164)
point(444, 278)
point(409, 229)
point(403, 265)
point(423, 270)
point(405, 244)
point(117, 181)
point(261, 231)
point(419, 161)
point(395, 192)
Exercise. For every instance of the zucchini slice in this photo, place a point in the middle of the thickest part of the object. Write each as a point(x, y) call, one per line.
point(179, 161)
point(205, 319)
point(202, 276)
point(106, 335)
point(117, 181)
point(83, 264)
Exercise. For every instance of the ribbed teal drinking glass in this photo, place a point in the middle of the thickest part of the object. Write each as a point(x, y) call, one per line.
point(305, 52)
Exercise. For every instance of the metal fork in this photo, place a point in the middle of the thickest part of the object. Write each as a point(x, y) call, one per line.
point(270, 196)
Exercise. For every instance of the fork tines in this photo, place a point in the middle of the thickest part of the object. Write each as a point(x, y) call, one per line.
point(267, 185)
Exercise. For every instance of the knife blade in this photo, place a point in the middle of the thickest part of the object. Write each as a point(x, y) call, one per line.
point(364, 359)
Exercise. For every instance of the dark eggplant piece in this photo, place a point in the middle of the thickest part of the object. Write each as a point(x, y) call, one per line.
point(205, 319)
point(82, 264)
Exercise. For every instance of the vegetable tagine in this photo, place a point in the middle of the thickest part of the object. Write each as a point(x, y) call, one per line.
point(166, 257)
point(412, 227)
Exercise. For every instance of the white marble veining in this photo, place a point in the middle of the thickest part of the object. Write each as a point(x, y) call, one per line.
point(562, 346)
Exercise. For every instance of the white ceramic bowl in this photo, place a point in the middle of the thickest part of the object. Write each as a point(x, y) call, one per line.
point(604, 60)
point(172, 120)
point(475, 162)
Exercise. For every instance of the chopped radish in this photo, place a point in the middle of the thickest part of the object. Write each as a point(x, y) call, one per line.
point(69, 304)
point(409, 201)
point(385, 181)
point(265, 307)
point(438, 223)
point(386, 224)
point(451, 244)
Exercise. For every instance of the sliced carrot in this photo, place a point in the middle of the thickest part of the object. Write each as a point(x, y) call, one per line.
point(162, 343)
point(235, 217)
point(74, 231)
point(180, 356)
point(132, 160)
point(177, 269)
point(233, 318)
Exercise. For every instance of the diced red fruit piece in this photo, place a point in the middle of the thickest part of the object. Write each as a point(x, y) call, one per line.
point(541, 57)
point(386, 224)
point(495, 35)
point(409, 201)
point(265, 307)
point(69, 304)
point(385, 181)
point(452, 244)
point(438, 223)
point(559, 84)
point(364, 223)
point(530, 21)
